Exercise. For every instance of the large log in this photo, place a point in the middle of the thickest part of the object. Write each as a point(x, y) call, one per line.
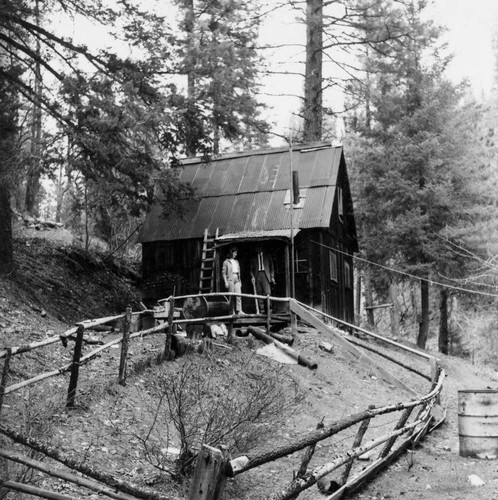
point(301, 484)
point(262, 335)
point(33, 490)
point(66, 476)
point(99, 475)
point(259, 457)
point(360, 356)
point(84, 359)
point(364, 345)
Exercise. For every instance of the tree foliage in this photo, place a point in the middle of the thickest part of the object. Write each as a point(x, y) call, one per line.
point(411, 157)
point(124, 123)
point(217, 51)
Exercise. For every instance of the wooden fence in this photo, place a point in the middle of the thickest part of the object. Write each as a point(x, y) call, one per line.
point(215, 465)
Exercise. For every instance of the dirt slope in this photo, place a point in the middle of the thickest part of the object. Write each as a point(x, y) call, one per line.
point(55, 285)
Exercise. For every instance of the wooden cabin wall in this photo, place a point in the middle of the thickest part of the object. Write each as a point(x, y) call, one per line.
point(170, 266)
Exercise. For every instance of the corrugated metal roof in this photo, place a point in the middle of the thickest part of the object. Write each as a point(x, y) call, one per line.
point(245, 193)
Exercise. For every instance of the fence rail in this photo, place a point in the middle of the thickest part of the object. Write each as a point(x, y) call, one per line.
point(405, 432)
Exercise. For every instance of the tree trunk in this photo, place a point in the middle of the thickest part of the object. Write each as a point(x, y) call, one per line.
point(34, 171)
point(369, 300)
point(443, 322)
point(313, 109)
point(191, 148)
point(357, 302)
point(6, 250)
point(395, 315)
point(423, 331)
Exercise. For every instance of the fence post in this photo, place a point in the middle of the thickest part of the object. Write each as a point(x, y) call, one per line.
point(124, 347)
point(170, 331)
point(268, 314)
point(208, 482)
point(356, 443)
point(75, 367)
point(5, 375)
point(401, 422)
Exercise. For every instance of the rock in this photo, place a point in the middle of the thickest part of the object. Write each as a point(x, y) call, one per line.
point(326, 485)
point(475, 480)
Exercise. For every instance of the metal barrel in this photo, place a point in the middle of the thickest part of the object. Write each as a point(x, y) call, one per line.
point(478, 423)
point(206, 307)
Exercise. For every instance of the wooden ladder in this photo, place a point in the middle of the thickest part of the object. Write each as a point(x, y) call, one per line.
point(208, 259)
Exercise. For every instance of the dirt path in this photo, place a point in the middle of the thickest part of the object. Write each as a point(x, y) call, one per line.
point(436, 470)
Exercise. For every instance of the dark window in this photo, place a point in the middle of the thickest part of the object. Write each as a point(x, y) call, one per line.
point(347, 275)
point(333, 265)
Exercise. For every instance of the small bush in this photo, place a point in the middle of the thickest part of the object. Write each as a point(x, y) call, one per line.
point(229, 401)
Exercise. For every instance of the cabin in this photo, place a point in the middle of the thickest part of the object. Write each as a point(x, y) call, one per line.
point(295, 202)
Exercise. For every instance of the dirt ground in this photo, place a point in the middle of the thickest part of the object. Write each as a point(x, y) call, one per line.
point(54, 286)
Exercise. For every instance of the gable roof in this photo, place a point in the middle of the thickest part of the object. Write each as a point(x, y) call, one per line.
point(247, 193)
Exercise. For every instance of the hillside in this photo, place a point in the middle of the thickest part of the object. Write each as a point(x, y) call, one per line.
point(56, 284)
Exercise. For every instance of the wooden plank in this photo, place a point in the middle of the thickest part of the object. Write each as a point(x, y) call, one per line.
point(359, 355)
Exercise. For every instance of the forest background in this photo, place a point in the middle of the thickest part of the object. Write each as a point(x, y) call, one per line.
point(99, 100)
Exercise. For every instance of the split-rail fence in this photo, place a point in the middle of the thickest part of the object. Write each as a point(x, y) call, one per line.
point(416, 417)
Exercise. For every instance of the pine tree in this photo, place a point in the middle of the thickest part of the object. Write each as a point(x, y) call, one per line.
point(218, 55)
point(411, 158)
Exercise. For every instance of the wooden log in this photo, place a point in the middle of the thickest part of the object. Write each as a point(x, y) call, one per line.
point(87, 470)
point(170, 331)
point(75, 367)
point(380, 306)
point(308, 455)
point(208, 482)
point(84, 359)
point(268, 314)
point(36, 345)
point(356, 443)
point(5, 376)
point(282, 338)
point(416, 352)
point(268, 455)
point(124, 347)
point(401, 422)
point(372, 470)
point(37, 492)
point(360, 356)
point(66, 476)
point(364, 345)
point(260, 334)
point(301, 484)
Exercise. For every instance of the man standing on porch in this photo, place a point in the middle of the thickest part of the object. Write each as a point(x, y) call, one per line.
point(231, 276)
point(262, 275)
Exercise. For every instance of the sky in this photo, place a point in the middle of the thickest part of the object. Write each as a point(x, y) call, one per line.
point(469, 37)
point(470, 24)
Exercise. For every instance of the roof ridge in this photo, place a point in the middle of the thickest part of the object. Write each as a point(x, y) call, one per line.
point(302, 147)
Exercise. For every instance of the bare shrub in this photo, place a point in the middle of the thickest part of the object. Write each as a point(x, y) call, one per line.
point(231, 401)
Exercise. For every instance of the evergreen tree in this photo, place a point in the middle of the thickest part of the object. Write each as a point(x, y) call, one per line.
point(411, 158)
point(125, 125)
point(218, 55)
